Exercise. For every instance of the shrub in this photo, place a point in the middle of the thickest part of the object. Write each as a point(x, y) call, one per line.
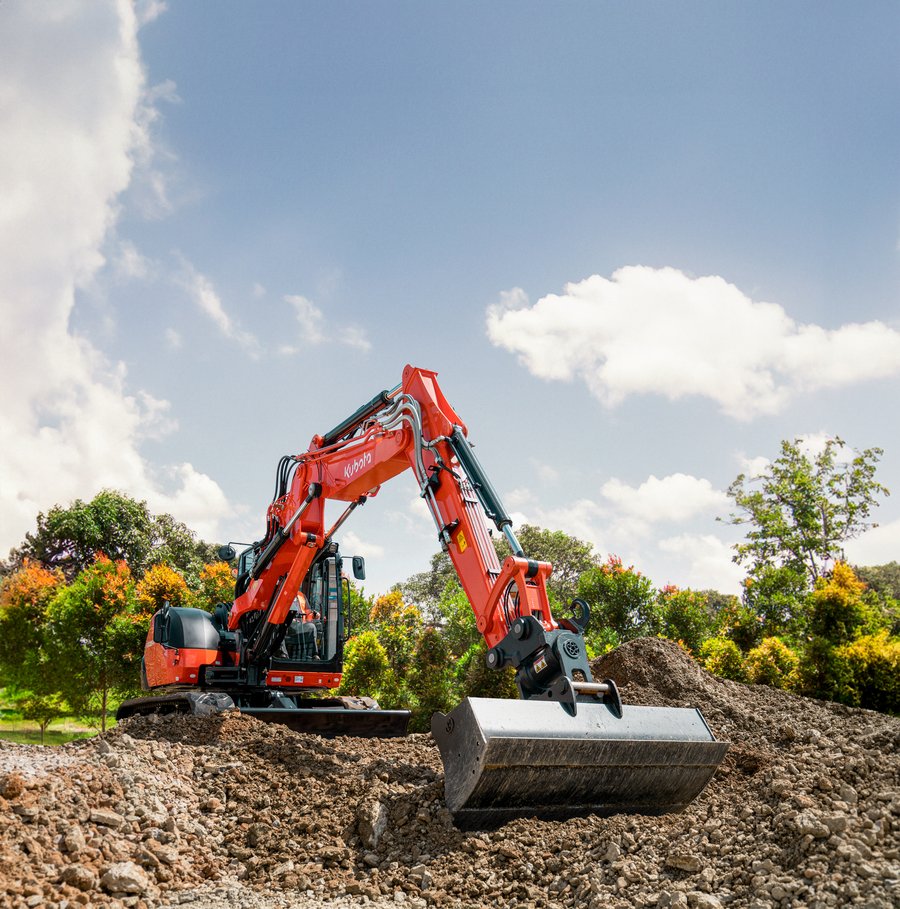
point(160, 585)
point(367, 671)
point(772, 663)
point(723, 657)
point(430, 679)
point(621, 599)
point(475, 679)
point(683, 616)
point(873, 662)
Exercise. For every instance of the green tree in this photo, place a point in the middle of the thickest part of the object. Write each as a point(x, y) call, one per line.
point(42, 708)
point(622, 603)
point(431, 678)
point(883, 579)
point(569, 556)
point(873, 663)
point(426, 588)
point(773, 663)
point(368, 672)
point(359, 608)
point(459, 628)
point(682, 615)
point(802, 508)
point(95, 637)
point(69, 538)
point(722, 657)
point(837, 614)
point(397, 625)
point(740, 623)
point(776, 594)
point(475, 679)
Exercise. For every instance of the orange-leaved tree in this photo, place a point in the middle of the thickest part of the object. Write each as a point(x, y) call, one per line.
point(95, 638)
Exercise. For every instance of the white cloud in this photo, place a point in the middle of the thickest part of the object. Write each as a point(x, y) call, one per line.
point(72, 87)
point(148, 10)
point(130, 264)
point(174, 341)
point(352, 544)
point(659, 331)
point(311, 320)
point(677, 497)
point(704, 562)
point(204, 294)
point(547, 474)
point(876, 546)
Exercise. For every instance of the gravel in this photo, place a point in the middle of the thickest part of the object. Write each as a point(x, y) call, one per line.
point(229, 811)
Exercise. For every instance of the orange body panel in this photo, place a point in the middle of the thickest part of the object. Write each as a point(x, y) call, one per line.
point(177, 665)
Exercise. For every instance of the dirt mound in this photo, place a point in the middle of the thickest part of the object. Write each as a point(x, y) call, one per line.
point(230, 811)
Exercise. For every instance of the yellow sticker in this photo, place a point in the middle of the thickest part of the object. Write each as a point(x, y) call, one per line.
point(461, 541)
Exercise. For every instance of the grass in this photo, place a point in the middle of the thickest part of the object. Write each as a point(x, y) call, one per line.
point(26, 732)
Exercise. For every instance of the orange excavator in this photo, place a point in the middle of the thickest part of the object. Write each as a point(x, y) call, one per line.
point(568, 746)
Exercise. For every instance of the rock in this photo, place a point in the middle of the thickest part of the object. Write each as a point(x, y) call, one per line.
point(125, 877)
point(80, 877)
point(74, 841)
point(372, 820)
point(106, 817)
point(683, 861)
point(421, 876)
point(698, 900)
point(809, 825)
point(12, 785)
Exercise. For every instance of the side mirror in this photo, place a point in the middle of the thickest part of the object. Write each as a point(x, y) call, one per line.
point(359, 568)
point(226, 553)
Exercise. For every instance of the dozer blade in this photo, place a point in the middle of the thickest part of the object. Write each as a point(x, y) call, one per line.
point(322, 716)
point(330, 722)
point(505, 759)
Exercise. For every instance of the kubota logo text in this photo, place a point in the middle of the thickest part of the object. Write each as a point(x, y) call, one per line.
point(354, 467)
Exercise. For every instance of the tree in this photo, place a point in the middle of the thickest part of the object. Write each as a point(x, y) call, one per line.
point(459, 627)
point(802, 508)
point(397, 626)
point(215, 585)
point(161, 585)
point(69, 538)
point(42, 708)
point(837, 615)
point(431, 678)
point(426, 588)
point(621, 601)
point(24, 600)
point(682, 615)
point(95, 637)
point(368, 672)
point(569, 556)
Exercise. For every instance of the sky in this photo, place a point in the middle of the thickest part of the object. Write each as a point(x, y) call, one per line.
point(641, 244)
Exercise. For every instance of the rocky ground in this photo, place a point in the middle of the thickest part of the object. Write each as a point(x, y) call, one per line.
point(227, 811)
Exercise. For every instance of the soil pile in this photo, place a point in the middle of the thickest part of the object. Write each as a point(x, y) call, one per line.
point(229, 811)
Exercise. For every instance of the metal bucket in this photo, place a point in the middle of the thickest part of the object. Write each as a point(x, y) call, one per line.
point(505, 759)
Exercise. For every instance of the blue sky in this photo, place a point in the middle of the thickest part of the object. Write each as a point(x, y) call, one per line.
point(640, 243)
